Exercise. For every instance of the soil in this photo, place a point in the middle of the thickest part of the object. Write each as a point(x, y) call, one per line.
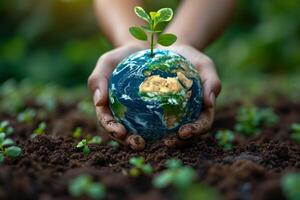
point(251, 170)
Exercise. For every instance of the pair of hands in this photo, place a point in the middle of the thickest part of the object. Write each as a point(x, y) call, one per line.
point(98, 84)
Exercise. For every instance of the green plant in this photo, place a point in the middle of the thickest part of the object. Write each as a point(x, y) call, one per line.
point(153, 19)
point(26, 116)
point(176, 175)
point(113, 144)
point(139, 166)
point(225, 139)
point(77, 133)
point(84, 144)
point(40, 130)
point(290, 184)
point(251, 119)
point(84, 185)
point(7, 148)
point(197, 191)
point(295, 135)
point(6, 128)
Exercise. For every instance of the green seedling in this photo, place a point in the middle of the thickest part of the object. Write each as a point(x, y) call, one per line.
point(40, 130)
point(225, 139)
point(153, 20)
point(114, 144)
point(139, 167)
point(83, 185)
point(84, 144)
point(290, 184)
point(6, 128)
point(77, 133)
point(27, 116)
point(295, 135)
point(250, 120)
point(175, 175)
point(7, 148)
point(197, 191)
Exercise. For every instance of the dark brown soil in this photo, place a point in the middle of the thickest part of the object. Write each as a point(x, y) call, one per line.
point(252, 170)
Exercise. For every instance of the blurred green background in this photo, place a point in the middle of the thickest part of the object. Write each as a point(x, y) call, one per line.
point(59, 42)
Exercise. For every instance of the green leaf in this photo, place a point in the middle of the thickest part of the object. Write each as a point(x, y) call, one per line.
point(141, 13)
point(184, 177)
point(8, 142)
point(138, 33)
point(163, 180)
point(165, 14)
point(1, 157)
point(96, 140)
point(78, 185)
point(2, 137)
point(147, 169)
point(137, 161)
point(154, 15)
point(86, 150)
point(173, 163)
point(13, 151)
point(166, 39)
point(96, 191)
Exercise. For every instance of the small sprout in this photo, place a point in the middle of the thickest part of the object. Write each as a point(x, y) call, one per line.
point(176, 175)
point(27, 116)
point(95, 140)
point(84, 185)
point(40, 130)
point(225, 139)
point(139, 167)
point(77, 133)
point(113, 144)
point(290, 184)
point(83, 145)
point(153, 19)
point(250, 120)
point(295, 136)
point(7, 149)
point(6, 128)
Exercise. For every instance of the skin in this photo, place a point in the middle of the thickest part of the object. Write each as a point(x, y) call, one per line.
point(201, 20)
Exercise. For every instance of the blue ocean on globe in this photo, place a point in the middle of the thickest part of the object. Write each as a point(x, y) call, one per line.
point(153, 96)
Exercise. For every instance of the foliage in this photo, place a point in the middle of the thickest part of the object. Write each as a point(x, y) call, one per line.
point(225, 139)
point(77, 133)
point(114, 144)
point(198, 192)
point(290, 185)
point(40, 130)
point(84, 185)
point(176, 175)
point(6, 128)
point(7, 148)
point(295, 132)
point(27, 115)
point(153, 19)
point(139, 166)
point(83, 145)
point(251, 119)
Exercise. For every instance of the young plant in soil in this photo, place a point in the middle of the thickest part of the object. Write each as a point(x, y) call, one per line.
point(40, 130)
point(291, 186)
point(153, 20)
point(7, 148)
point(250, 120)
point(83, 185)
point(295, 135)
point(225, 139)
point(77, 133)
point(27, 116)
point(139, 167)
point(175, 175)
point(114, 144)
point(6, 128)
point(83, 145)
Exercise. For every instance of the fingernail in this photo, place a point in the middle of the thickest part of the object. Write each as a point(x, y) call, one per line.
point(96, 97)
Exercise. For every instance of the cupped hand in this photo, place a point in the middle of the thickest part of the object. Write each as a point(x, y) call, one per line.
point(98, 84)
point(212, 87)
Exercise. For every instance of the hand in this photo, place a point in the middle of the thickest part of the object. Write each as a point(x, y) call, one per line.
point(98, 84)
point(212, 88)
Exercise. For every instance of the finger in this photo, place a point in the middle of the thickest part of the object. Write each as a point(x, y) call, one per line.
point(200, 127)
point(109, 123)
point(136, 142)
point(173, 141)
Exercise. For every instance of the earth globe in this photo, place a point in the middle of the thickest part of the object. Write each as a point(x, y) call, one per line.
point(153, 95)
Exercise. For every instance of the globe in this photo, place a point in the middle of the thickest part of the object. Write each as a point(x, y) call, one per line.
point(153, 95)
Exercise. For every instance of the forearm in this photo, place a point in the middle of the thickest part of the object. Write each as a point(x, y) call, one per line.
point(199, 22)
point(115, 17)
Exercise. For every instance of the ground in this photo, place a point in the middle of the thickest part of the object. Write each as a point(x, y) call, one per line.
point(251, 170)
